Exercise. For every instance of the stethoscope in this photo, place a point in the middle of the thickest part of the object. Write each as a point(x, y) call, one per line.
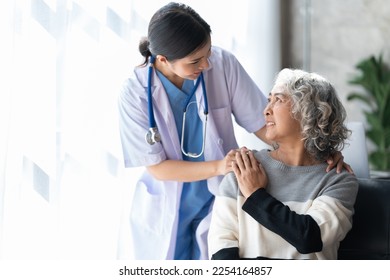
point(153, 135)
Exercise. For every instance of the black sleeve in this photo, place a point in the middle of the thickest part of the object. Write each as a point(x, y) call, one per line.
point(301, 231)
point(226, 254)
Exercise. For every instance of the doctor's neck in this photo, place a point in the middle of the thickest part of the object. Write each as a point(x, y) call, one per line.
point(167, 69)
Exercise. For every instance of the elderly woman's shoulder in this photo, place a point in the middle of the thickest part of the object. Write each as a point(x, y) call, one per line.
point(342, 178)
point(229, 186)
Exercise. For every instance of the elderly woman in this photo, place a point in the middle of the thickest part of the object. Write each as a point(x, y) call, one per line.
point(282, 204)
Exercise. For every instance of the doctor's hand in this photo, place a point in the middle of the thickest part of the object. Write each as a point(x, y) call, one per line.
point(225, 165)
point(336, 160)
point(250, 174)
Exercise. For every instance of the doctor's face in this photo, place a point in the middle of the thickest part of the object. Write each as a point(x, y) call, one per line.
point(192, 65)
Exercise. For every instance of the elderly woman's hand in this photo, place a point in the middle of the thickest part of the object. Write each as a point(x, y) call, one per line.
point(249, 172)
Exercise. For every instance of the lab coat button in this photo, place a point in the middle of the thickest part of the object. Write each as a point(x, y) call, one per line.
point(220, 141)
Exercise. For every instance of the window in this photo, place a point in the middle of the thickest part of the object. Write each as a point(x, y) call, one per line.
point(65, 191)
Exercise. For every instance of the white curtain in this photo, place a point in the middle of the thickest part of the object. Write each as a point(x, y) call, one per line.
point(64, 193)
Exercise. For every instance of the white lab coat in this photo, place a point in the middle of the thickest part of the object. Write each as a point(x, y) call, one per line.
point(154, 212)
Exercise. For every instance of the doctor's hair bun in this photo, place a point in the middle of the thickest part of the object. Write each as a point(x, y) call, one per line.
point(144, 47)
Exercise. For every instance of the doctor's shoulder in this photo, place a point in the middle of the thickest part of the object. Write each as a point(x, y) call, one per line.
point(134, 84)
point(222, 57)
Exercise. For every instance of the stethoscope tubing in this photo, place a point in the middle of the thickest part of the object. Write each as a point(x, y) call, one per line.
point(152, 122)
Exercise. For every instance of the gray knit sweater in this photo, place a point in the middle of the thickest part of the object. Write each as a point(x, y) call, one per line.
point(303, 213)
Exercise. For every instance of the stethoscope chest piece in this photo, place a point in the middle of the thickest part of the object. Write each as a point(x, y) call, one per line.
point(152, 136)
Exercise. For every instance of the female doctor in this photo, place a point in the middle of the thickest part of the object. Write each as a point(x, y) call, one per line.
point(175, 119)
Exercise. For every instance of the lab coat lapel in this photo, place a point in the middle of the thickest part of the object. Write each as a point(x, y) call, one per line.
point(213, 146)
point(165, 120)
point(214, 142)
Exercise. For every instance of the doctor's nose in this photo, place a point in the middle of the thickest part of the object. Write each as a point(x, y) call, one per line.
point(204, 64)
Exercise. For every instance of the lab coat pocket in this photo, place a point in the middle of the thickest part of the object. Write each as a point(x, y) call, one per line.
point(148, 208)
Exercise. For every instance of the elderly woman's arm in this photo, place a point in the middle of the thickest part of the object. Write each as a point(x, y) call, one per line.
point(223, 232)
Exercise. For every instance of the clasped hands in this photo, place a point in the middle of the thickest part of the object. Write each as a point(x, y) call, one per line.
point(249, 172)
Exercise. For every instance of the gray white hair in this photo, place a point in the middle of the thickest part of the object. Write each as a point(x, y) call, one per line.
point(316, 106)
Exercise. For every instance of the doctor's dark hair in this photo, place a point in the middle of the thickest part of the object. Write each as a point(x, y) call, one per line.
point(175, 31)
point(316, 106)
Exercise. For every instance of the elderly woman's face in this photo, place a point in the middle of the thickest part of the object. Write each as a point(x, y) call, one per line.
point(280, 124)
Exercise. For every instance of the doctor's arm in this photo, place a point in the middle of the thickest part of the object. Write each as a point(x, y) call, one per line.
point(186, 171)
point(261, 135)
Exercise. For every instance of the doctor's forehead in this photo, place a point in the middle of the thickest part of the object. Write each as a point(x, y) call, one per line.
point(201, 52)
